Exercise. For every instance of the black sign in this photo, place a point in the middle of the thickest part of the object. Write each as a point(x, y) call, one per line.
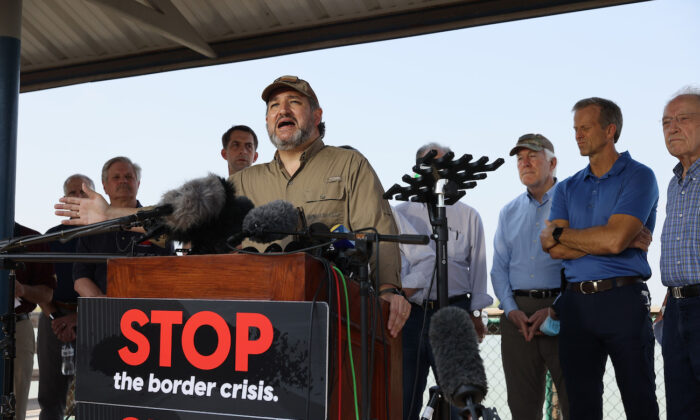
point(186, 359)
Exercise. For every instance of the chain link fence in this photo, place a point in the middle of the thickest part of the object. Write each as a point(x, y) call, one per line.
point(490, 350)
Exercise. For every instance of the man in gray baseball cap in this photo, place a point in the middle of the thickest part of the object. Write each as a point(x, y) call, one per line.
point(526, 281)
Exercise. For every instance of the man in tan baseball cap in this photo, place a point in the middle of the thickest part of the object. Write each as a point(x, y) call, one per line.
point(333, 185)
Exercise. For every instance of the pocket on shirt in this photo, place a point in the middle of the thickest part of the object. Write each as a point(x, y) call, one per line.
point(325, 203)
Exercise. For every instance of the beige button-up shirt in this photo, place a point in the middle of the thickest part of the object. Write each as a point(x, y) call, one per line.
point(333, 186)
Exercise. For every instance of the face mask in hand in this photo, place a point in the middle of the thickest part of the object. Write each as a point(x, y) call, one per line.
point(550, 326)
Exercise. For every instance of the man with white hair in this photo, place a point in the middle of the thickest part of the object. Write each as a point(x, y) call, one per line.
point(120, 179)
point(466, 285)
point(526, 281)
point(680, 260)
point(58, 323)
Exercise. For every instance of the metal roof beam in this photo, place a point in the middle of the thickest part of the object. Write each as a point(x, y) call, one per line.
point(163, 18)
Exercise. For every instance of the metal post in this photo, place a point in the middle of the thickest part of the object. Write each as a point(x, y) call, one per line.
point(10, 30)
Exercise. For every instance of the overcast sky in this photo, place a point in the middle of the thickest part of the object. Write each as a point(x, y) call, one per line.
point(476, 90)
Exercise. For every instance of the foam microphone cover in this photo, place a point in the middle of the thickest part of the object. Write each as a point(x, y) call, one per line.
point(460, 369)
point(271, 222)
point(206, 212)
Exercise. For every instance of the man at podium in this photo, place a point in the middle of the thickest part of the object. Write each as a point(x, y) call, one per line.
point(332, 185)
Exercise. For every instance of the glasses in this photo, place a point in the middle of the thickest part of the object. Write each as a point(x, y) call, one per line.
point(680, 119)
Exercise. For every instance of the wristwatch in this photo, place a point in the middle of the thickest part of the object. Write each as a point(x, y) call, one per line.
point(556, 233)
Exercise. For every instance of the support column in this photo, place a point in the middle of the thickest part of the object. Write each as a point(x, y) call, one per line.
point(10, 30)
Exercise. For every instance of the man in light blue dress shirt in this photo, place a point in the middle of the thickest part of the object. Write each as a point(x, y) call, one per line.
point(526, 281)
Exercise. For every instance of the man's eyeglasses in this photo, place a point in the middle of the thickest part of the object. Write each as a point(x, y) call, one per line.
point(680, 119)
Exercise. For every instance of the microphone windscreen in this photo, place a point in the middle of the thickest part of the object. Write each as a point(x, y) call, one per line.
point(206, 212)
point(460, 369)
point(271, 222)
point(273, 248)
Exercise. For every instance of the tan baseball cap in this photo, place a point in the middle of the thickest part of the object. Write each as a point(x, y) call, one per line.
point(536, 142)
point(292, 82)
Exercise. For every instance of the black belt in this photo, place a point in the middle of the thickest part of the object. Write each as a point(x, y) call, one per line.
point(22, 316)
point(685, 291)
point(538, 293)
point(433, 304)
point(595, 286)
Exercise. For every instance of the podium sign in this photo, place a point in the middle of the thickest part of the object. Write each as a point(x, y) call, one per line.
point(185, 359)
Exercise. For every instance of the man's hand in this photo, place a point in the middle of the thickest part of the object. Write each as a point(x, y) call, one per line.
point(642, 240)
point(546, 238)
point(64, 327)
point(399, 310)
point(520, 320)
point(83, 211)
point(478, 326)
point(19, 289)
point(534, 322)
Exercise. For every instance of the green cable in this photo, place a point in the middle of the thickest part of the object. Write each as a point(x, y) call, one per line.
point(347, 320)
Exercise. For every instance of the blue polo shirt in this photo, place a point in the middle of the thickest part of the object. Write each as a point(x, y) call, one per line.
point(586, 201)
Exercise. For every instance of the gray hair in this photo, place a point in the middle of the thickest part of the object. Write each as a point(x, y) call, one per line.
point(610, 113)
point(86, 179)
point(134, 166)
point(691, 91)
point(431, 146)
point(550, 155)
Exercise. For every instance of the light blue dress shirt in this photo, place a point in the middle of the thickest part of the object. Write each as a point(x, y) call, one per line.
point(518, 260)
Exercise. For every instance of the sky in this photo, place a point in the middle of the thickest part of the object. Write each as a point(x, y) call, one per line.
point(476, 90)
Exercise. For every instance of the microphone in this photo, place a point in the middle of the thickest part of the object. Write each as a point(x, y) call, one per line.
point(267, 223)
point(205, 213)
point(459, 367)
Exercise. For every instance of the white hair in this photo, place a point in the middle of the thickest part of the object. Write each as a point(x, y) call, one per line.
point(550, 155)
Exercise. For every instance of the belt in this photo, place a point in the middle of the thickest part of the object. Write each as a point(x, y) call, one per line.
point(685, 291)
point(433, 304)
point(595, 286)
point(22, 316)
point(538, 293)
point(66, 306)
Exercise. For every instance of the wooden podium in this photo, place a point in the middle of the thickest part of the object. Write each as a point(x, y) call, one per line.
point(293, 277)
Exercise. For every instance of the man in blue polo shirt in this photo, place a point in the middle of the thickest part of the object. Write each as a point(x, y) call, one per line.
point(600, 225)
point(680, 259)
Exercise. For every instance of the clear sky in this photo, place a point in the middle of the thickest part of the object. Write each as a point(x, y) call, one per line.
point(476, 90)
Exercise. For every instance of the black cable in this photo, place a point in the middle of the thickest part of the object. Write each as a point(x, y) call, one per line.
point(308, 350)
point(420, 340)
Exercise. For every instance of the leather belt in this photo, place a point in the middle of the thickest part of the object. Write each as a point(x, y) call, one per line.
point(22, 316)
point(538, 293)
point(433, 304)
point(681, 292)
point(595, 286)
point(66, 306)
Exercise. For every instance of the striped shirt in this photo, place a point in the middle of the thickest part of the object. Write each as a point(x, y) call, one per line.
point(680, 238)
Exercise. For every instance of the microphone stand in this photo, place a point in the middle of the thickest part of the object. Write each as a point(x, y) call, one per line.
point(441, 182)
point(12, 261)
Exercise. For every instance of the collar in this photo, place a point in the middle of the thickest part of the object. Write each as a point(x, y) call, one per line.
point(547, 195)
point(617, 167)
point(306, 155)
point(693, 170)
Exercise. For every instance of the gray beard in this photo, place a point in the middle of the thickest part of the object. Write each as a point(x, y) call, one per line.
point(299, 138)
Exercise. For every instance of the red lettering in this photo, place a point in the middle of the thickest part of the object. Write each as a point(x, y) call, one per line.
point(166, 319)
point(219, 355)
point(246, 347)
point(143, 347)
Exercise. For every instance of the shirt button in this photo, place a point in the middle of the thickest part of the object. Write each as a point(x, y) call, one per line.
point(594, 190)
point(682, 192)
point(532, 258)
point(532, 276)
point(680, 215)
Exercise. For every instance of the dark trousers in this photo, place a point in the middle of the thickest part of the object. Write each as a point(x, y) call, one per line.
point(525, 365)
point(418, 360)
point(613, 323)
point(681, 351)
point(53, 385)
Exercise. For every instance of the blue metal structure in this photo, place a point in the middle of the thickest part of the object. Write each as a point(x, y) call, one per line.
point(10, 25)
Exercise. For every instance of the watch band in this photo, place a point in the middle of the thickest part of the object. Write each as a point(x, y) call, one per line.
point(556, 233)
